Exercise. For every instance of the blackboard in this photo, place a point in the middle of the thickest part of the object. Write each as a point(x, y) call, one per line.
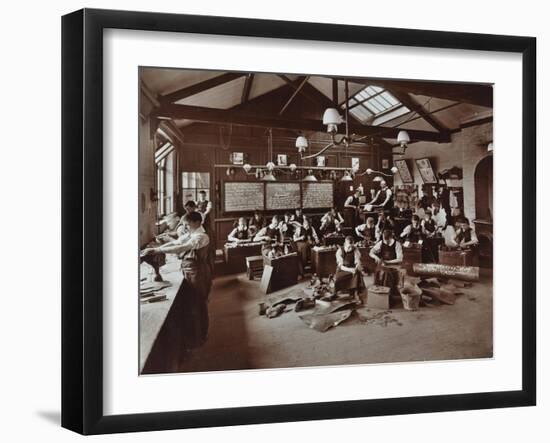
point(317, 195)
point(243, 196)
point(282, 196)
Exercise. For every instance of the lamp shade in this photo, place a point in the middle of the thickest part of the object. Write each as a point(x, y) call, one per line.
point(403, 138)
point(332, 117)
point(310, 177)
point(346, 177)
point(301, 142)
point(394, 169)
point(269, 177)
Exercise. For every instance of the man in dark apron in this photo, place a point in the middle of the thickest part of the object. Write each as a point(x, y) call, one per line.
point(367, 232)
point(351, 209)
point(413, 232)
point(465, 237)
point(388, 255)
point(304, 238)
point(189, 311)
point(348, 275)
point(383, 198)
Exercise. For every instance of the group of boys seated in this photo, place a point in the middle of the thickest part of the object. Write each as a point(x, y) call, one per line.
point(295, 233)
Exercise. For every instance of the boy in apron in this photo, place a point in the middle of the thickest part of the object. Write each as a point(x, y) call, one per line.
point(348, 275)
point(190, 307)
point(388, 255)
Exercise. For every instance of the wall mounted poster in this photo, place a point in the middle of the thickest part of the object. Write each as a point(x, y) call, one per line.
point(280, 196)
point(426, 172)
point(404, 172)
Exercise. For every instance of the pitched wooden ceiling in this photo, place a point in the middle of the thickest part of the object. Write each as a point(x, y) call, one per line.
point(429, 111)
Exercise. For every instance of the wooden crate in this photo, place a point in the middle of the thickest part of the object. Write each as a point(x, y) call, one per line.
point(254, 266)
point(464, 257)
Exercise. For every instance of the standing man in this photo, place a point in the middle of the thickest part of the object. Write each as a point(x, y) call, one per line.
point(204, 207)
point(351, 207)
point(304, 238)
point(190, 305)
point(439, 216)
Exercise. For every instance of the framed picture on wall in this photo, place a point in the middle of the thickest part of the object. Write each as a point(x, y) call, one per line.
point(119, 72)
point(426, 171)
point(282, 160)
point(404, 171)
point(385, 163)
point(321, 161)
point(237, 158)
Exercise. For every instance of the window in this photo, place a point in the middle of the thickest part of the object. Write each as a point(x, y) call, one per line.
point(165, 165)
point(372, 102)
point(192, 183)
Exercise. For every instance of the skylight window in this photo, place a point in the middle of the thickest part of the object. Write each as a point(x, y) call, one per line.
point(372, 102)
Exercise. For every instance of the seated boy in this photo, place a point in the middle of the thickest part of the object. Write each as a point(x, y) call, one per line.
point(367, 231)
point(413, 233)
point(240, 233)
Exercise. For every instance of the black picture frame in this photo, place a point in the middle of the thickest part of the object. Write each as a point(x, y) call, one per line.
point(82, 253)
point(426, 171)
point(404, 171)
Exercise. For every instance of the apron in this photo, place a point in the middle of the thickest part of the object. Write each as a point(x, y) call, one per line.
point(188, 327)
point(382, 197)
point(387, 276)
point(242, 234)
point(329, 227)
point(303, 247)
point(350, 214)
point(415, 234)
point(348, 280)
point(370, 234)
point(430, 226)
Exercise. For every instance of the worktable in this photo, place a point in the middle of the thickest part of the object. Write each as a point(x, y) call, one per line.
point(235, 255)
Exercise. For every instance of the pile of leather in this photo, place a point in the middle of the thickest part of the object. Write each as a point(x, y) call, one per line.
point(437, 291)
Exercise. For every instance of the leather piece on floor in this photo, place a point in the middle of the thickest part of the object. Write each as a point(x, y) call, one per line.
point(323, 323)
point(328, 307)
point(288, 297)
point(152, 286)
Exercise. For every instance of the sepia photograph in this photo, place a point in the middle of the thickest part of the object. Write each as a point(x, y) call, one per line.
point(306, 220)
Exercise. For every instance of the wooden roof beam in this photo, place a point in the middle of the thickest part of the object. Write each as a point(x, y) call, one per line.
point(471, 93)
point(197, 88)
point(414, 106)
point(242, 118)
point(247, 88)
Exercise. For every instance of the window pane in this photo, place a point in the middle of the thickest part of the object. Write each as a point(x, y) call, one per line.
point(202, 180)
point(188, 194)
point(371, 104)
point(390, 98)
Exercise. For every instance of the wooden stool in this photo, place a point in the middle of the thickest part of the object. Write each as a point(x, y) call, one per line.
point(254, 266)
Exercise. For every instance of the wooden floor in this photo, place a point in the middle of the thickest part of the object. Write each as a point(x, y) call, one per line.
point(239, 338)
